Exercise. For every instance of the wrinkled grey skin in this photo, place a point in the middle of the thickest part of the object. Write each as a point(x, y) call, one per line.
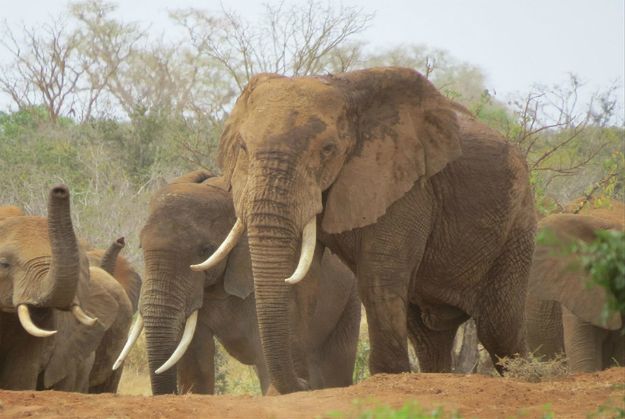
point(188, 219)
point(563, 314)
point(431, 210)
point(43, 266)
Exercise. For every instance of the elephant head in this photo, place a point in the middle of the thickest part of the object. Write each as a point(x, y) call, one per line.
point(340, 148)
point(187, 221)
point(557, 275)
point(41, 265)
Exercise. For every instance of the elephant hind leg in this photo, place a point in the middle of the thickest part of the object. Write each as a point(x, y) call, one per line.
point(338, 353)
point(433, 347)
point(500, 315)
point(583, 343)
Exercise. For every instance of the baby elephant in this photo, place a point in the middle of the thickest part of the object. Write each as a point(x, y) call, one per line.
point(188, 220)
point(563, 313)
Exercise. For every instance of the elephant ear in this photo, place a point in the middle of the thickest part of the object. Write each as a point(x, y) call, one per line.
point(238, 279)
point(229, 146)
point(557, 275)
point(405, 130)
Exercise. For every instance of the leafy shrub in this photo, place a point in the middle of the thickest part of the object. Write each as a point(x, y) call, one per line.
point(534, 368)
point(604, 259)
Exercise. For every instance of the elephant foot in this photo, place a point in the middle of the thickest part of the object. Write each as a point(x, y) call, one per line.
point(302, 385)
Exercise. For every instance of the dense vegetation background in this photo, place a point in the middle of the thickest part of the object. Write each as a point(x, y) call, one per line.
point(114, 111)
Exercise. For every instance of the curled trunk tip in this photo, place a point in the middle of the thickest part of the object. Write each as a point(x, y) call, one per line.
point(109, 259)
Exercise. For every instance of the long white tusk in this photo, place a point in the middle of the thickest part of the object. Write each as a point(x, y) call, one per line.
point(82, 317)
point(223, 250)
point(132, 338)
point(309, 241)
point(27, 323)
point(185, 341)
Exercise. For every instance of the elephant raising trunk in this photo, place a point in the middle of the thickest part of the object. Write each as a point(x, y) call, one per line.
point(57, 285)
point(52, 285)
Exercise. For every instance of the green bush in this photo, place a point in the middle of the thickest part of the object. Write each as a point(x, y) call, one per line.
point(604, 259)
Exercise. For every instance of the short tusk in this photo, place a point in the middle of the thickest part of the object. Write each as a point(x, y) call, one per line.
point(132, 338)
point(223, 250)
point(82, 317)
point(309, 241)
point(187, 336)
point(27, 323)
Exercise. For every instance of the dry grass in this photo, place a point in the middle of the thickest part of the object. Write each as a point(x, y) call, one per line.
point(534, 368)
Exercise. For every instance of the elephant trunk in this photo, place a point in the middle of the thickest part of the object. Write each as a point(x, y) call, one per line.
point(271, 264)
point(59, 279)
point(273, 244)
point(109, 258)
point(162, 307)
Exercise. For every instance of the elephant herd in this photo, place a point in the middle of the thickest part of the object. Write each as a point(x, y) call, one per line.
point(364, 187)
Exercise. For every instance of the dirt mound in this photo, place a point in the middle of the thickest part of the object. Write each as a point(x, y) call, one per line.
point(472, 395)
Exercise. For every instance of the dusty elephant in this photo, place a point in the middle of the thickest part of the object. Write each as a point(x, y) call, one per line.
point(108, 259)
point(178, 232)
point(431, 210)
point(563, 313)
point(47, 341)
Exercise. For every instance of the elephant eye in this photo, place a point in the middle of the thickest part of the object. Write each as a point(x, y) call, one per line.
point(242, 146)
point(4, 263)
point(328, 149)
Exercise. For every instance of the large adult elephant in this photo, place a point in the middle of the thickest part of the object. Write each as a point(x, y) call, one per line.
point(47, 341)
point(324, 318)
point(431, 210)
point(564, 314)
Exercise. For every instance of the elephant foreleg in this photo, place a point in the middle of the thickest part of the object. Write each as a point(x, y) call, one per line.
point(196, 369)
point(390, 250)
point(500, 315)
point(386, 321)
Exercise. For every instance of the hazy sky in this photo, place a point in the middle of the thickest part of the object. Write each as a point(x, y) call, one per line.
point(516, 43)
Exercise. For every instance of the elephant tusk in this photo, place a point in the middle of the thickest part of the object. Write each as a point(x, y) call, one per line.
point(187, 336)
point(309, 241)
point(27, 323)
point(226, 247)
point(82, 317)
point(132, 338)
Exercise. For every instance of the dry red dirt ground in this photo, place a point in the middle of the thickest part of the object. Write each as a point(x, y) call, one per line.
point(471, 395)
